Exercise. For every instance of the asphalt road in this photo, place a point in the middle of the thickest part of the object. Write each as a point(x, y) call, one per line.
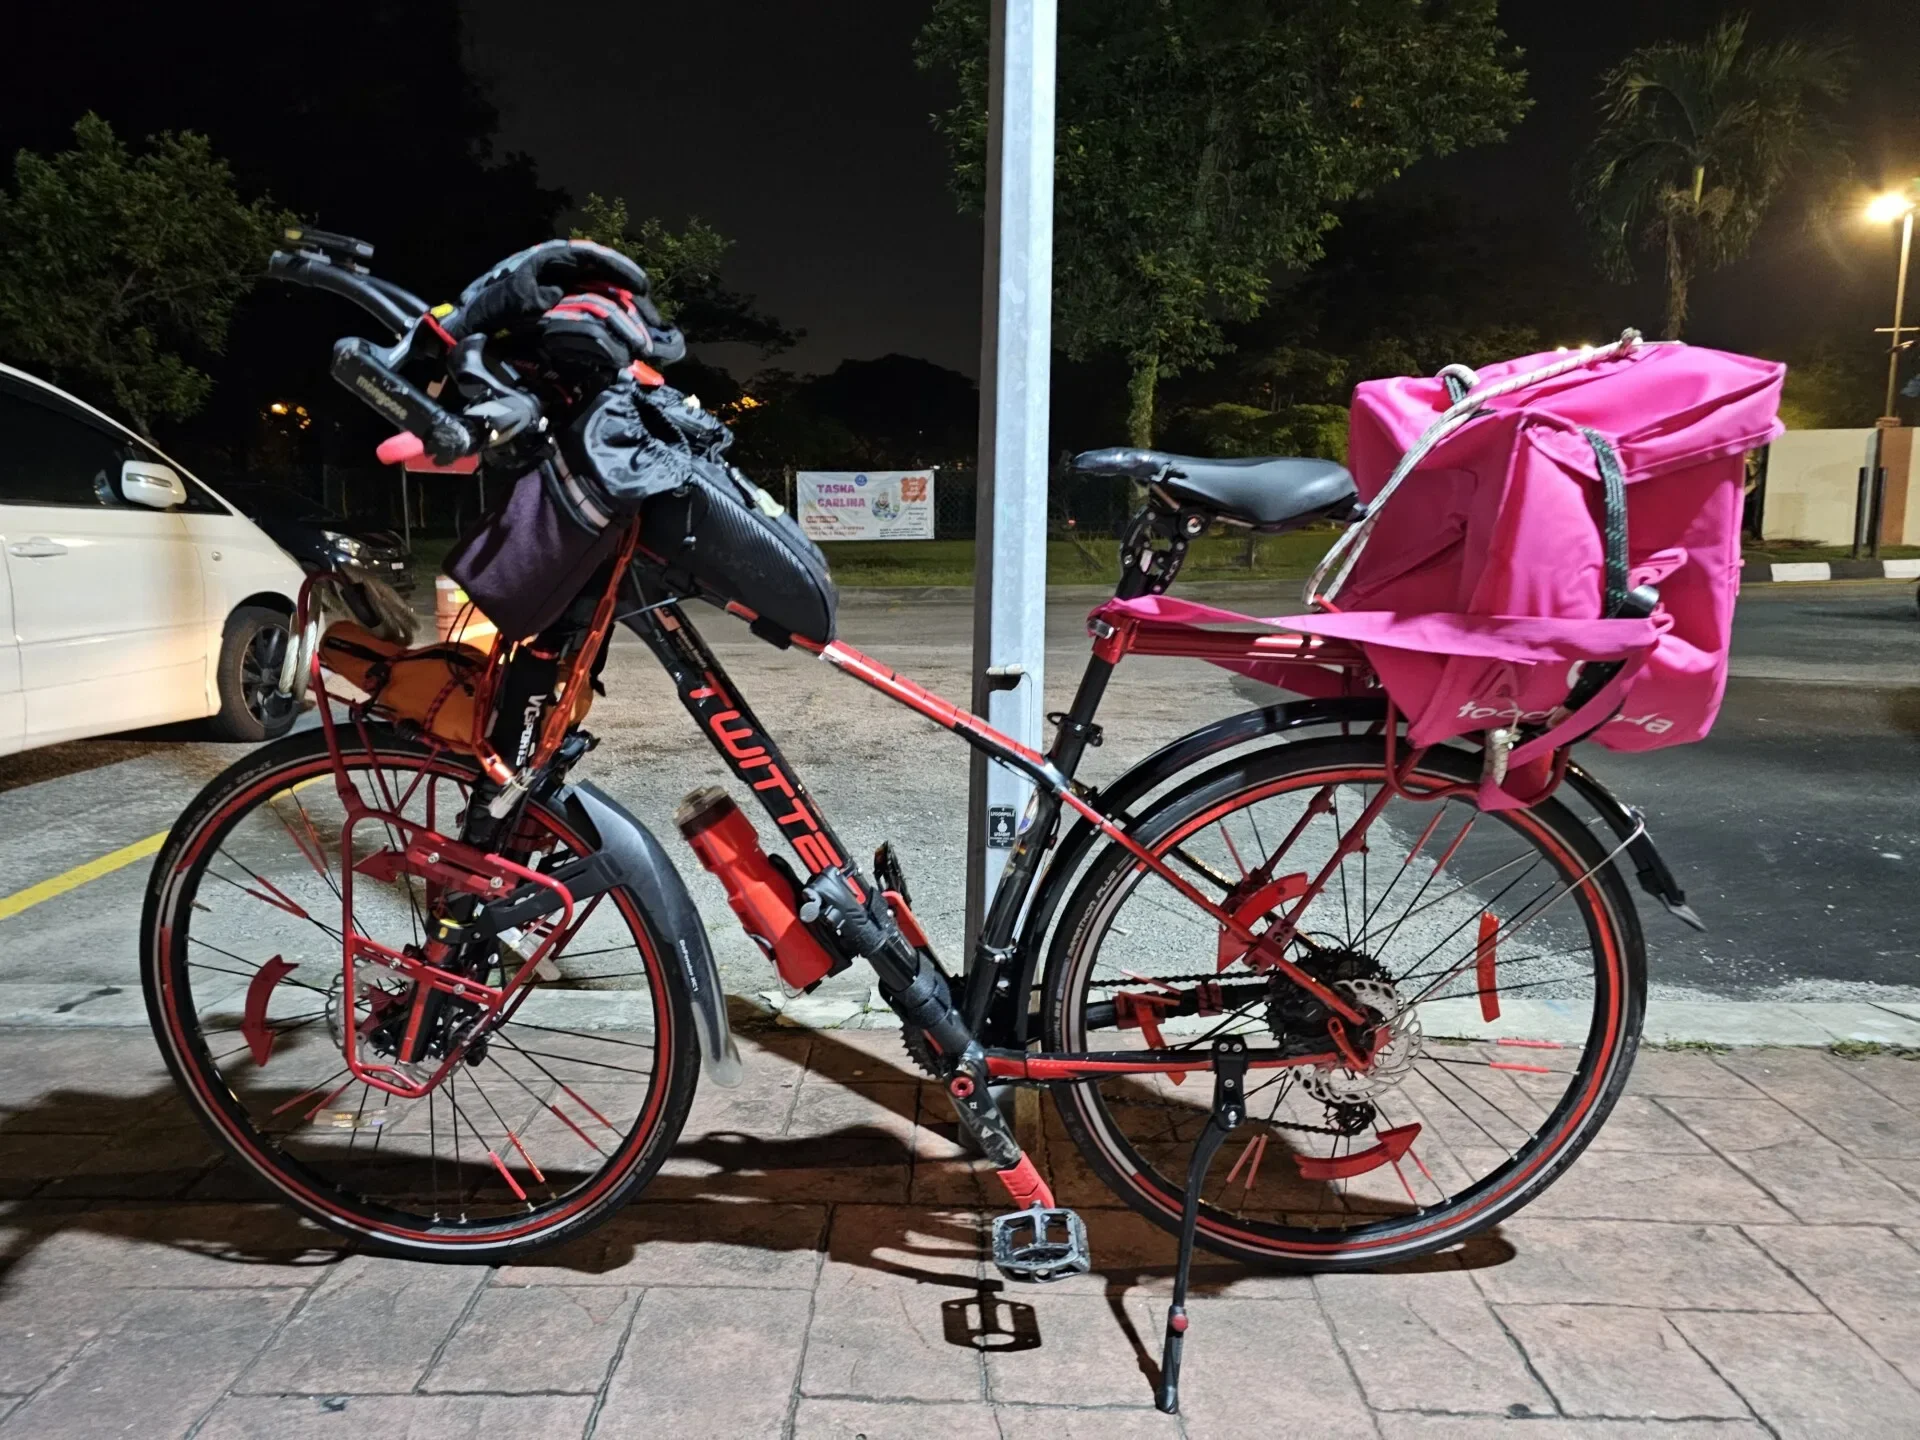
point(1795, 829)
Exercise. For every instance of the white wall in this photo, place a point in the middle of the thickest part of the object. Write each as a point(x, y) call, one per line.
point(1813, 477)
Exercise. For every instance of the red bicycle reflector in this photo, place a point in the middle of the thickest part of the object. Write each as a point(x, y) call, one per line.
point(1483, 964)
point(253, 1021)
point(1393, 1144)
point(1256, 907)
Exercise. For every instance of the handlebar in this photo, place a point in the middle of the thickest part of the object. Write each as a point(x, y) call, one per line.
point(330, 262)
point(364, 371)
point(499, 412)
point(369, 294)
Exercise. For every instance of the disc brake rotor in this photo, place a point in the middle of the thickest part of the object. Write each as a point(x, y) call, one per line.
point(1392, 1059)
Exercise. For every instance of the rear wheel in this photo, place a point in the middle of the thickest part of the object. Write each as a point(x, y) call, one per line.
point(1499, 948)
point(546, 1125)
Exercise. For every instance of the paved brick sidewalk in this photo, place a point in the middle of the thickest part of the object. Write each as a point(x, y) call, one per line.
point(1736, 1257)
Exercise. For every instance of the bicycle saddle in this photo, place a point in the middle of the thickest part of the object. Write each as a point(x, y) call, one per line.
point(1268, 492)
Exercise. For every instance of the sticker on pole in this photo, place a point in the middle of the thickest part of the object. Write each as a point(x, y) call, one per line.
point(1000, 827)
point(865, 504)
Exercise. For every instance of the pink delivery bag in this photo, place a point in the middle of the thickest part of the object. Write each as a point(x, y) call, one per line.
point(1481, 589)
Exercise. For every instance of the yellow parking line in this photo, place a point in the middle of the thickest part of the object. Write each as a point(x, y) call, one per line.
point(80, 875)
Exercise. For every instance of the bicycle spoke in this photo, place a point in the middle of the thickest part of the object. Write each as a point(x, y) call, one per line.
point(447, 1156)
point(1387, 917)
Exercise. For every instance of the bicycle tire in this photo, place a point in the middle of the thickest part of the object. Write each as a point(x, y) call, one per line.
point(1088, 1109)
point(166, 940)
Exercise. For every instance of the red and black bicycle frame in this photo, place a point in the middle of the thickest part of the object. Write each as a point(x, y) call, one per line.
point(755, 759)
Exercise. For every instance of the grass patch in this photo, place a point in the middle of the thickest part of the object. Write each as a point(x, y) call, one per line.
point(1861, 1049)
point(1091, 560)
point(1785, 551)
point(860, 564)
point(1703, 1047)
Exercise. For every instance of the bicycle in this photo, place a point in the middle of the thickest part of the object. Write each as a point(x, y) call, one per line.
point(375, 960)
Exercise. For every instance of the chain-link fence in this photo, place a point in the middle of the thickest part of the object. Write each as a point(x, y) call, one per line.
point(1076, 504)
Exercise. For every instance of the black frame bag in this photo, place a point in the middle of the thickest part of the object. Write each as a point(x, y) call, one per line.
point(648, 451)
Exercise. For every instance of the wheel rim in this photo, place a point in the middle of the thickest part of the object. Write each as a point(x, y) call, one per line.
point(553, 1114)
point(260, 666)
point(1493, 1100)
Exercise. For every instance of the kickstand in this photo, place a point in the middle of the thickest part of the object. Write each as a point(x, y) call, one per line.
point(1229, 1109)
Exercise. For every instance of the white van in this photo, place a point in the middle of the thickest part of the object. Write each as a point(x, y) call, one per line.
point(133, 594)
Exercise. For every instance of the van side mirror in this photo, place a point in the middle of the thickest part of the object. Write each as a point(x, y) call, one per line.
point(149, 483)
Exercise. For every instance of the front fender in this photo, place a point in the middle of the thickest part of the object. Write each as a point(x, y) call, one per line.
point(643, 868)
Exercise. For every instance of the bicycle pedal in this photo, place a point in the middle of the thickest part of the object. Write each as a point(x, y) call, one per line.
point(1040, 1244)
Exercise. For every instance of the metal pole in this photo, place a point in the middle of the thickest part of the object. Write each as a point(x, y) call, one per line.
point(406, 515)
point(1899, 312)
point(1010, 528)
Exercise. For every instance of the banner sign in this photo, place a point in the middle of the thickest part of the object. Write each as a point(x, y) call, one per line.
point(865, 504)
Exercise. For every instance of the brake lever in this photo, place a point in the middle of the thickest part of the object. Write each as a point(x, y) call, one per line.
point(504, 411)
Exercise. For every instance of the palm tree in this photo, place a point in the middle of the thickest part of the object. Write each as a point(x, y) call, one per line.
point(1696, 143)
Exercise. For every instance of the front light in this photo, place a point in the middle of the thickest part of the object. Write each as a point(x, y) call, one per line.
point(345, 546)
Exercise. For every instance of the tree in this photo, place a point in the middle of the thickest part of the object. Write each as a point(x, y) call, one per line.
point(684, 269)
point(1833, 384)
point(1203, 144)
point(1696, 144)
point(115, 268)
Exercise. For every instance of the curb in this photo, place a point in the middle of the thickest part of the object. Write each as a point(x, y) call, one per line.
point(1760, 571)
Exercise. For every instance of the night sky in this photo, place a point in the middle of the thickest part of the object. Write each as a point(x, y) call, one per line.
point(801, 131)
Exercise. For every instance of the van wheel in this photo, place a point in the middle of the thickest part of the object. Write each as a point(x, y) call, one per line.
point(251, 708)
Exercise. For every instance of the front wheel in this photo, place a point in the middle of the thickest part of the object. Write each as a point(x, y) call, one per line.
point(1499, 951)
point(539, 1131)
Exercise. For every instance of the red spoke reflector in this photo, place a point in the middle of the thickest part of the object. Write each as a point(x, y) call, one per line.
point(286, 1105)
point(1255, 907)
point(279, 899)
point(589, 1109)
point(314, 1114)
point(537, 1176)
point(575, 1128)
point(1530, 1044)
point(1393, 1144)
point(1404, 1185)
point(1483, 966)
point(1255, 1151)
point(1523, 1069)
point(253, 1021)
point(512, 1184)
point(313, 855)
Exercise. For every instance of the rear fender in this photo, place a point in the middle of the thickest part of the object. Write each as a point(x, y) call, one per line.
point(1656, 878)
point(1010, 1014)
point(642, 867)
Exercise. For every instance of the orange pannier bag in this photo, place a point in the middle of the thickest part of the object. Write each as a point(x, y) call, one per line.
point(431, 688)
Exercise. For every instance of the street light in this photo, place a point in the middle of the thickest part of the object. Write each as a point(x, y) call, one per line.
point(1884, 210)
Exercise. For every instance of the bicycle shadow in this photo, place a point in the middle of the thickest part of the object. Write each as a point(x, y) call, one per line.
point(886, 1191)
